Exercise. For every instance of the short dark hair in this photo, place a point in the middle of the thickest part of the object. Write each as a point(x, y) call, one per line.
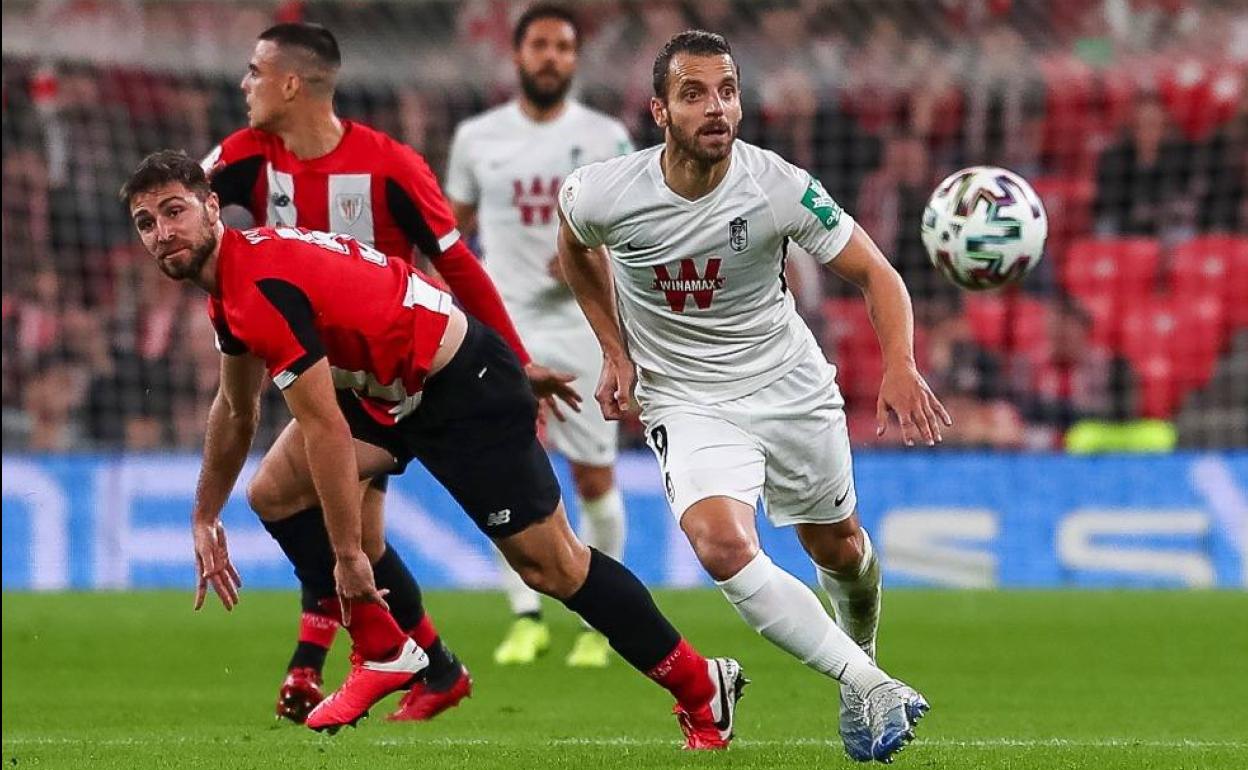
point(313, 38)
point(541, 11)
point(698, 42)
point(165, 167)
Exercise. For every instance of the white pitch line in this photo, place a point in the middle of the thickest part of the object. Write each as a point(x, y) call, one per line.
point(980, 743)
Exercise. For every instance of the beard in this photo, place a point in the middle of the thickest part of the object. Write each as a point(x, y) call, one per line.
point(689, 144)
point(192, 267)
point(543, 96)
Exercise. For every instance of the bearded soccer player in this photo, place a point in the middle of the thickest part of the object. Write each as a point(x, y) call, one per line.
point(736, 397)
point(504, 173)
point(299, 164)
point(379, 367)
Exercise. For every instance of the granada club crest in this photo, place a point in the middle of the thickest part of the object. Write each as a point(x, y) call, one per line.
point(738, 234)
point(350, 206)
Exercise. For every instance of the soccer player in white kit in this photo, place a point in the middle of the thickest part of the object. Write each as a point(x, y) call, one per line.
point(505, 170)
point(676, 255)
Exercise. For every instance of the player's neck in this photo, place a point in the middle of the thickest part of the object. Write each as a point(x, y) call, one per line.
point(312, 136)
point(208, 278)
point(540, 114)
point(689, 177)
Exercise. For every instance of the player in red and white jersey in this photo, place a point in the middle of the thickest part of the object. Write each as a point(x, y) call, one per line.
point(380, 368)
point(298, 164)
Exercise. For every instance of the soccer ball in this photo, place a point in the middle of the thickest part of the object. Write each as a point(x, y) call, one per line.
point(984, 227)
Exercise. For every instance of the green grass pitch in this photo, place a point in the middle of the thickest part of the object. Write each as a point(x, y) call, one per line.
point(1021, 680)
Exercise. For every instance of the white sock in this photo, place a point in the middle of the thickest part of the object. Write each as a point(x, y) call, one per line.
point(856, 597)
point(788, 614)
point(602, 523)
point(523, 600)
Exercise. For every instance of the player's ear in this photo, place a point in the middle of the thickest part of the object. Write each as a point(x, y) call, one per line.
point(291, 84)
point(658, 109)
point(212, 207)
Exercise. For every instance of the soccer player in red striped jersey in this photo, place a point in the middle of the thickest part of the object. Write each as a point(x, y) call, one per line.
point(379, 367)
point(299, 164)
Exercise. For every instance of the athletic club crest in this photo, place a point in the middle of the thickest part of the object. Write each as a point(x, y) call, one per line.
point(350, 206)
point(738, 234)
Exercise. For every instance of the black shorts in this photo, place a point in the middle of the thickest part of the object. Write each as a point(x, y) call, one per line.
point(475, 430)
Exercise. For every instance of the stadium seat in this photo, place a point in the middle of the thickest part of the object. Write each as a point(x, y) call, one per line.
point(1022, 328)
point(1237, 285)
point(1159, 394)
point(1199, 333)
point(850, 342)
point(1201, 266)
point(1120, 267)
point(1068, 204)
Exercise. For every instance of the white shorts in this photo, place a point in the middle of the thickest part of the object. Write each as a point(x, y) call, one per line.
point(585, 437)
point(787, 443)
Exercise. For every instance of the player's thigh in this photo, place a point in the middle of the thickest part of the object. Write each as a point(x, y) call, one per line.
point(809, 463)
point(476, 433)
point(702, 455)
point(283, 484)
point(547, 555)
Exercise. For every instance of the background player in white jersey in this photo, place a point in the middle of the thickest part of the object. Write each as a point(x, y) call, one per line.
point(737, 399)
point(505, 169)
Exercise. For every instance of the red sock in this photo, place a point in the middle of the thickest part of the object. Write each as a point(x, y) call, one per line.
point(374, 634)
point(424, 632)
point(317, 628)
point(684, 673)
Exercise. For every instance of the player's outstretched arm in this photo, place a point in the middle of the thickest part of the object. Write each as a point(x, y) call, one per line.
point(588, 273)
point(903, 391)
point(232, 421)
point(335, 474)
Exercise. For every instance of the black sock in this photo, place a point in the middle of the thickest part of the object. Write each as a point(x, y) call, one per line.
point(614, 601)
point(308, 655)
point(408, 608)
point(305, 542)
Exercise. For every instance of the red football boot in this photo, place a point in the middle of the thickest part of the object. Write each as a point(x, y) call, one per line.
point(710, 726)
point(368, 682)
point(423, 702)
point(299, 694)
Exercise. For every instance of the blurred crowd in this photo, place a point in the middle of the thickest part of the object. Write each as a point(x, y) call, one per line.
point(1130, 117)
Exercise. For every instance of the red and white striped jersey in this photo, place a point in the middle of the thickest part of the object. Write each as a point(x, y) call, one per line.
point(371, 187)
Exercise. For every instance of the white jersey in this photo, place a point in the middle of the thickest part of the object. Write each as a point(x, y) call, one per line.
point(510, 168)
point(700, 284)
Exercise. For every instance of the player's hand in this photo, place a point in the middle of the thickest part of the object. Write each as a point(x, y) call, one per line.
point(551, 387)
point(353, 579)
point(615, 388)
point(212, 561)
point(905, 393)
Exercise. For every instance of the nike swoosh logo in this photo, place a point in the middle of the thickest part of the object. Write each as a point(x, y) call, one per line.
point(837, 502)
point(725, 716)
point(634, 247)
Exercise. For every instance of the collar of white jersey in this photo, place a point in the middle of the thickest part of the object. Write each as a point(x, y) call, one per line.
point(570, 107)
point(655, 168)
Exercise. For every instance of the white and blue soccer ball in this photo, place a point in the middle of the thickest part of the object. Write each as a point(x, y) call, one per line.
point(984, 227)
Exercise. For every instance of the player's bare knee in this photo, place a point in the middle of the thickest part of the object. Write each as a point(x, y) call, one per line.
point(723, 554)
point(592, 482)
point(374, 546)
point(264, 499)
point(836, 549)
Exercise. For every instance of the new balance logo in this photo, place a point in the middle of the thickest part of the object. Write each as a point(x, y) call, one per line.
point(687, 282)
point(498, 518)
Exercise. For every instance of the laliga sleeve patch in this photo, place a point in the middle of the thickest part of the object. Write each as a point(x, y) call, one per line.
point(818, 202)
